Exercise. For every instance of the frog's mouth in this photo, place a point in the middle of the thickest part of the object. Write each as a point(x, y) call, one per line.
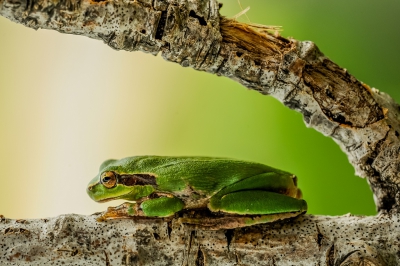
point(110, 199)
point(121, 197)
point(105, 200)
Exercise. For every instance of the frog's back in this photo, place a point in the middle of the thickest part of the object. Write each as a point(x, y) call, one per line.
point(206, 174)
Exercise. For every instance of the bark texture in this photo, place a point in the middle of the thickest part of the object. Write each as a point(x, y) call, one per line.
point(307, 240)
point(363, 121)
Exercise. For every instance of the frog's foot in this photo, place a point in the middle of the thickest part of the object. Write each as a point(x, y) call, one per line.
point(125, 210)
point(234, 221)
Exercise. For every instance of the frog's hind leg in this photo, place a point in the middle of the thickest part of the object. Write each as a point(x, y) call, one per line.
point(274, 182)
point(245, 208)
point(256, 202)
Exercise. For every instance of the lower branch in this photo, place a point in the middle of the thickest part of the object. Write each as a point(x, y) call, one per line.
point(306, 240)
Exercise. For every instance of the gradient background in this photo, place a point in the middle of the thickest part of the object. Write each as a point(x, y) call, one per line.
point(68, 102)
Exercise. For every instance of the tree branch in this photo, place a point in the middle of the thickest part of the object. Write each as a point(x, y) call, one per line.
point(363, 121)
point(307, 240)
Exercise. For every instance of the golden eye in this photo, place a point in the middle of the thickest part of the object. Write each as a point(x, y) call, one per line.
point(108, 179)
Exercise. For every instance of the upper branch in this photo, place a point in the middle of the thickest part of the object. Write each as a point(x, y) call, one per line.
point(363, 121)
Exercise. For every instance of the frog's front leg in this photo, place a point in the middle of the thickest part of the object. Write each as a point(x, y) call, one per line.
point(125, 210)
point(163, 206)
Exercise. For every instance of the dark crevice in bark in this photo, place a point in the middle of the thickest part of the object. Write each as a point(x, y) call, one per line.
point(201, 20)
point(156, 236)
point(331, 255)
point(169, 229)
point(161, 25)
point(229, 236)
point(389, 201)
point(320, 237)
point(200, 261)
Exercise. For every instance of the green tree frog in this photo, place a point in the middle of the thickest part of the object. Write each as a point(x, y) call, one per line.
point(239, 193)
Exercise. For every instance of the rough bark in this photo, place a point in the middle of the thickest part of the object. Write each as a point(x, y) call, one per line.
point(307, 240)
point(362, 120)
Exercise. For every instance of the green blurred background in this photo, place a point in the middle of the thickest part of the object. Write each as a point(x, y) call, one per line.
point(69, 102)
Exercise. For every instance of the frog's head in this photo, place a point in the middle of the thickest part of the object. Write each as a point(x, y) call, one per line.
point(112, 183)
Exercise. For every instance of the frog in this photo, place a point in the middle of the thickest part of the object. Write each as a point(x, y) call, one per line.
point(234, 193)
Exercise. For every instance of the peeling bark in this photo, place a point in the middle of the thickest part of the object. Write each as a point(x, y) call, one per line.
point(362, 121)
point(307, 240)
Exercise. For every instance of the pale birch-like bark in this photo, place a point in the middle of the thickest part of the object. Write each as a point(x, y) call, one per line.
point(307, 240)
point(363, 121)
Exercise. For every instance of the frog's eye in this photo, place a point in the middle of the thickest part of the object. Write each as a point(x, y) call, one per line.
point(108, 179)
